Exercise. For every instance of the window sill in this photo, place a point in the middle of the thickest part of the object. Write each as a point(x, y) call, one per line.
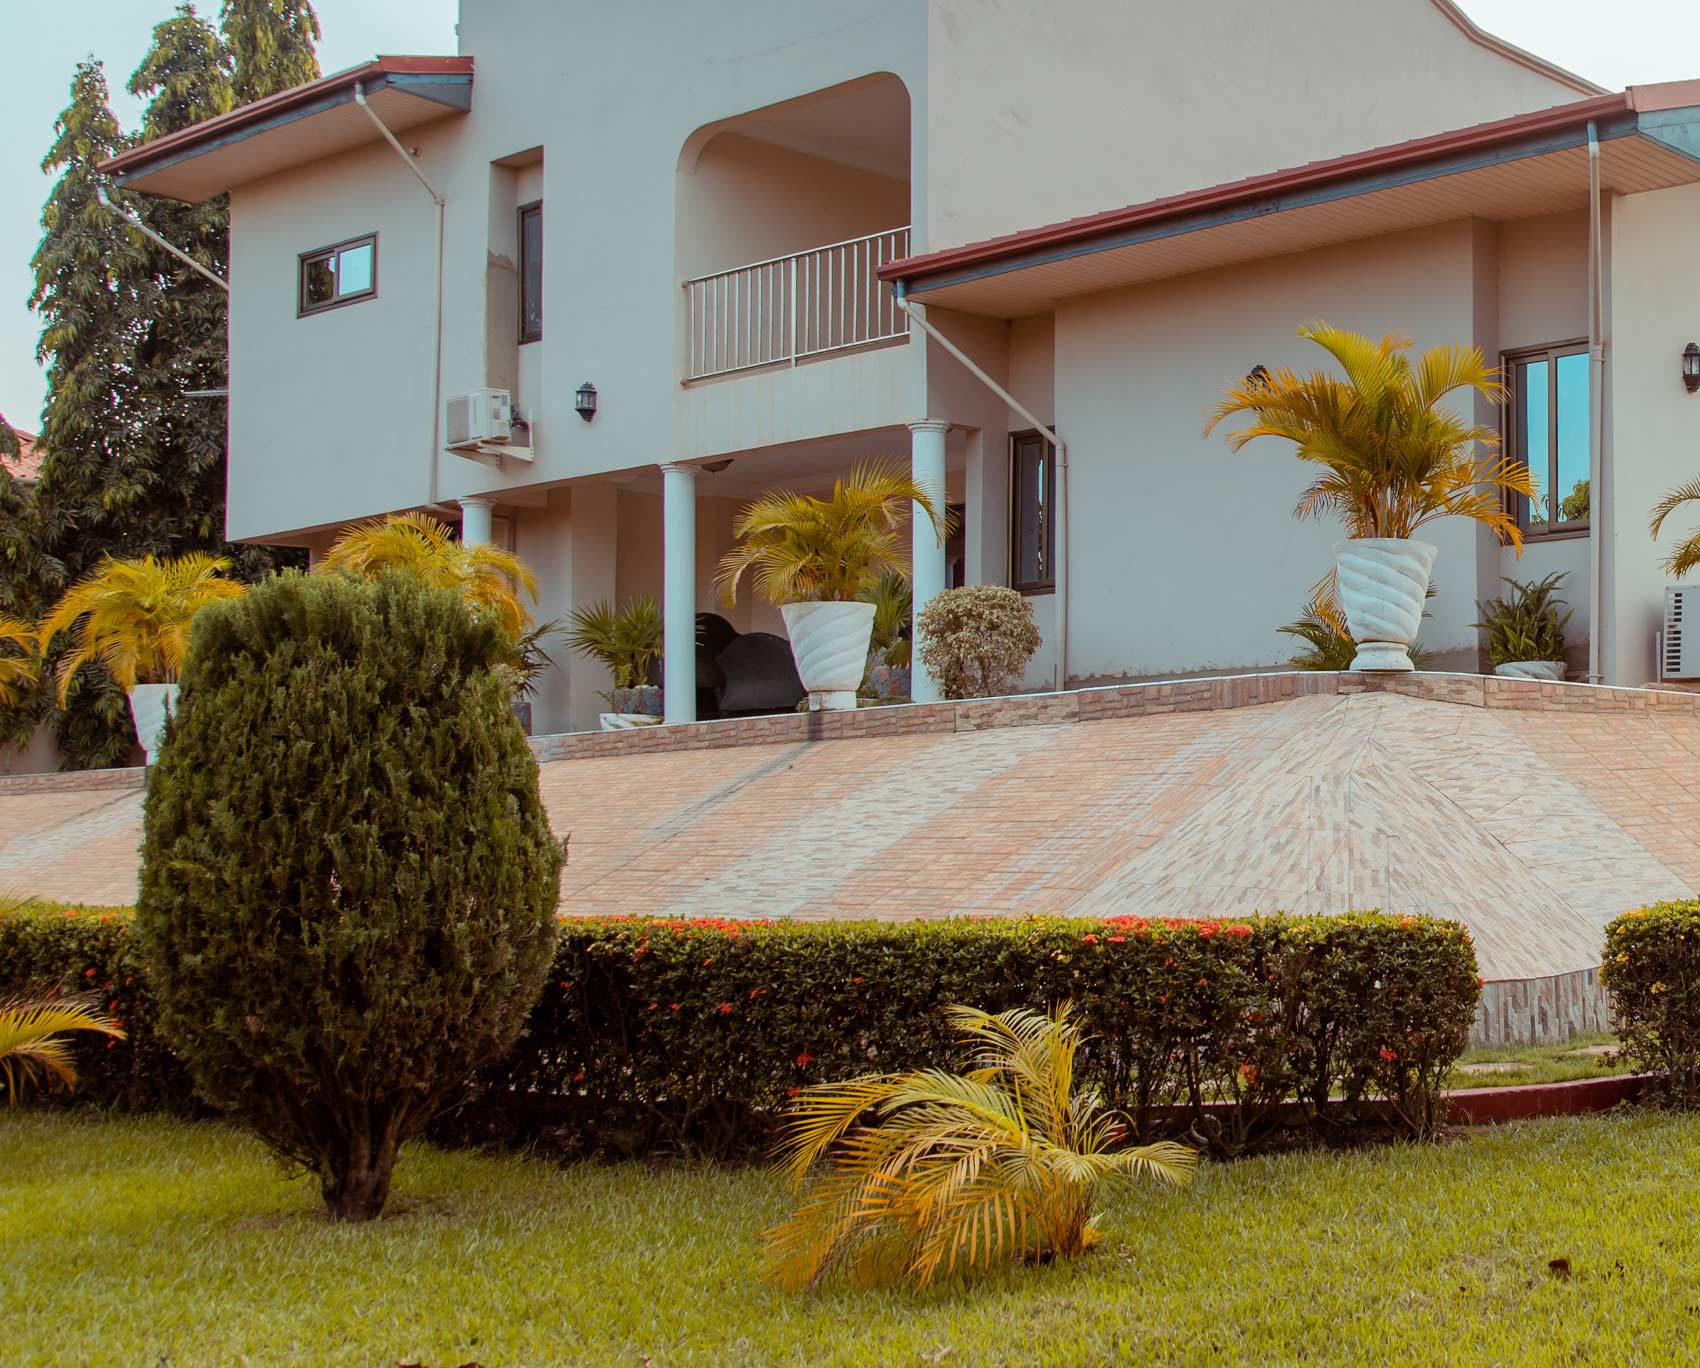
point(1034, 590)
point(1569, 534)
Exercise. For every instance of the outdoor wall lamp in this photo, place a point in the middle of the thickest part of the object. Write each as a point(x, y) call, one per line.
point(1259, 378)
point(1691, 367)
point(585, 401)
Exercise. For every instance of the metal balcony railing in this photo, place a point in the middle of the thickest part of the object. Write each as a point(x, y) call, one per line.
point(793, 307)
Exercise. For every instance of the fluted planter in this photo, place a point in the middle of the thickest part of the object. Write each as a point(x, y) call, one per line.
point(1383, 582)
point(1531, 669)
point(150, 705)
point(829, 642)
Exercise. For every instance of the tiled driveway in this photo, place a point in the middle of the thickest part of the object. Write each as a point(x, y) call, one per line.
point(1534, 827)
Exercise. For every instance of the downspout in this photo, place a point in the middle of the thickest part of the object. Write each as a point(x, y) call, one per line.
point(437, 379)
point(179, 253)
point(1596, 419)
point(1060, 524)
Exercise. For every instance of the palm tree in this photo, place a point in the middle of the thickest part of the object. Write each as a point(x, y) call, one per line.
point(628, 640)
point(893, 606)
point(805, 549)
point(487, 577)
point(1687, 553)
point(20, 659)
point(32, 1044)
point(133, 616)
point(1002, 1162)
point(1393, 457)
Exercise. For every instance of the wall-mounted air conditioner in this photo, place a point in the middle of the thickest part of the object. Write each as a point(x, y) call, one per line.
point(1680, 641)
point(479, 417)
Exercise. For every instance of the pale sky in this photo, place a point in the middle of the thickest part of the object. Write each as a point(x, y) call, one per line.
point(1626, 43)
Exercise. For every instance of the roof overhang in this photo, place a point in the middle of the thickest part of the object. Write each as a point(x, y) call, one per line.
point(294, 127)
point(1521, 167)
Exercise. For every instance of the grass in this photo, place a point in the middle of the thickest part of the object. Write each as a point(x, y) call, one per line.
point(157, 1242)
point(1540, 1064)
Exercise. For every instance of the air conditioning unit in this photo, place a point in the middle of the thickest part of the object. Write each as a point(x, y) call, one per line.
point(1681, 647)
point(480, 416)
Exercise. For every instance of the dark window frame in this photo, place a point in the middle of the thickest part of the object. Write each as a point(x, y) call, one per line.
point(303, 307)
point(1513, 439)
point(1047, 585)
point(532, 210)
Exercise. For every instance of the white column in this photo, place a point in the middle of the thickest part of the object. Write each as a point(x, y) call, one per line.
point(679, 591)
point(927, 548)
point(475, 521)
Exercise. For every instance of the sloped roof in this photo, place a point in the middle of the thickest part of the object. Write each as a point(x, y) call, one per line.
point(27, 466)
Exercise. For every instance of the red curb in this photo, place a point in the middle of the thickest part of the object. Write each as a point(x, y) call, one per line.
point(1488, 1106)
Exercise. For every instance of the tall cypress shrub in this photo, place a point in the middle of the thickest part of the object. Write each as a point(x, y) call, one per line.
point(348, 889)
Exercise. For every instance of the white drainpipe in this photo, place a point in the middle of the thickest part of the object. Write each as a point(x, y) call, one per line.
point(437, 380)
point(1596, 419)
point(1060, 524)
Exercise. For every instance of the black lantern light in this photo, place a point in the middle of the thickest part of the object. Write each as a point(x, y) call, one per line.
point(1259, 378)
point(1691, 367)
point(585, 402)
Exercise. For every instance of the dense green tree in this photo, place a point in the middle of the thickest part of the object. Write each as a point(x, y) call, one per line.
point(133, 447)
point(348, 881)
point(270, 45)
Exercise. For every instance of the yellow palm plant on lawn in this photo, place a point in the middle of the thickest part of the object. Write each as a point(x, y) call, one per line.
point(1687, 552)
point(489, 578)
point(20, 659)
point(804, 549)
point(133, 616)
point(33, 1047)
point(953, 1171)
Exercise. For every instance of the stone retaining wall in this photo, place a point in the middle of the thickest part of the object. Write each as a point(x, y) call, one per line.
point(1541, 1011)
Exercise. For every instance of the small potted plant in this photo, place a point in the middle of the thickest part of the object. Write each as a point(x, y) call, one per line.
point(1394, 458)
point(529, 662)
point(133, 616)
point(815, 559)
point(628, 641)
point(1525, 630)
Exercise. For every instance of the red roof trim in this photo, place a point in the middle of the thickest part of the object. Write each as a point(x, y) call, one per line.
point(1312, 174)
point(262, 110)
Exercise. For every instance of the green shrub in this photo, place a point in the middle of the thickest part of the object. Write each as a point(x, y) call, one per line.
point(1526, 623)
point(654, 1035)
point(348, 881)
point(1652, 971)
point(977, 640)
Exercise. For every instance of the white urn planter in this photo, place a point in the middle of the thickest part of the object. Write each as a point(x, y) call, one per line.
point(829, 642)
point(614, 721)
point(1531, 669)
point(150, 705)
point(1383, 583)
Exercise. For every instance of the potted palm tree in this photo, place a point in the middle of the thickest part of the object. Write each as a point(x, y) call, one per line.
point(628, 641)
point(1394, 458)
point(814, 559)
point(133, 616)
point(1525, 630)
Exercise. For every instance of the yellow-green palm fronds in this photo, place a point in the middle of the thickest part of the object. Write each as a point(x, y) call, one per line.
point(1395, 454)
point(33, 1047)
point(1686, 554)
point(803, 549)
point(133, 616)
point(914, 1175)
point(20, 659)
point(489, 578)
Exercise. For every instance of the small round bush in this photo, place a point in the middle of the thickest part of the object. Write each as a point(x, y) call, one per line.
point(348, 889)
point(976, 640)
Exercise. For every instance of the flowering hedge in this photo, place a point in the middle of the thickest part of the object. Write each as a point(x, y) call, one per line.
point(1652, 971)
point(689, 1034)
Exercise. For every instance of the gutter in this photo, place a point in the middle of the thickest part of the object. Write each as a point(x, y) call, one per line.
point(1060, 522)
point(437, 378)
point(1596, 419)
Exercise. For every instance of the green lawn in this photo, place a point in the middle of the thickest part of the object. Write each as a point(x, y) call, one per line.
point(152, 1242)
point(1519, 1064)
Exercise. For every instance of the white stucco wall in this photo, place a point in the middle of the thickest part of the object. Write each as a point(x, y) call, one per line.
point(1087, 105)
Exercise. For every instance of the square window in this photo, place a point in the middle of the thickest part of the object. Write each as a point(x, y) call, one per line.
point(1548, 431)
point(338, 275)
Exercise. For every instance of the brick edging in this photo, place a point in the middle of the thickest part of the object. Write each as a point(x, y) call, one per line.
point(1118, 700)
point(71, 781)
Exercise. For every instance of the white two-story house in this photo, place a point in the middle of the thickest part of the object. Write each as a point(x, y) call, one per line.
point(686, 240)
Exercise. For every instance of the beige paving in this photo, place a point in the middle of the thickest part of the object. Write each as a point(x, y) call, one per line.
point(1534, 827)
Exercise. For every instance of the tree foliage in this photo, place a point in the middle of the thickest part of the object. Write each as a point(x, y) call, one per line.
point(133, 449)
point(348, 886)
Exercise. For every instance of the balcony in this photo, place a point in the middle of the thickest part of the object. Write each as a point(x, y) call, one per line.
point(793, 308)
